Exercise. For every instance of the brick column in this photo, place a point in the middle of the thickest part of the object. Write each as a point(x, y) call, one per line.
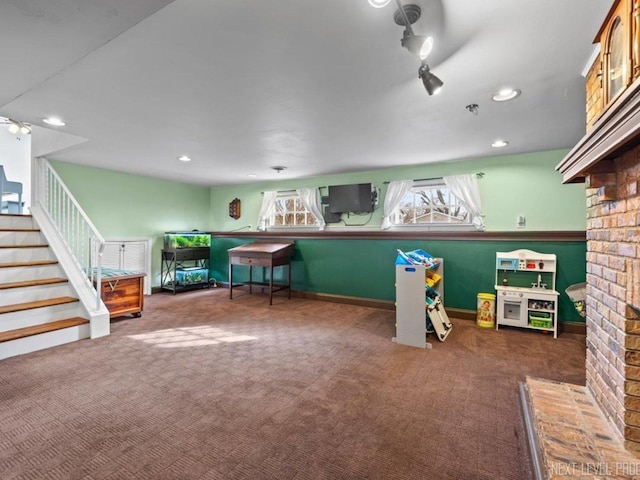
point(613, 294)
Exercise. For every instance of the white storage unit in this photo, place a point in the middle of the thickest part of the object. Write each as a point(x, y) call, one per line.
point(410, 303)
point(534, 307)
point(129, 254)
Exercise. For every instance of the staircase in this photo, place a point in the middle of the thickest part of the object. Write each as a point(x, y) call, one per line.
point(38, 306)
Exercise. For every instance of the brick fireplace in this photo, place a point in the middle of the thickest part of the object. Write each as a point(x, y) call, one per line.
point(608, 160)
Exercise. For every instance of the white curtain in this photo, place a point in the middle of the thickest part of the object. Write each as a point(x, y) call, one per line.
point(310, 198)
point(395, 193)
point(467, 190)
point(268, 204)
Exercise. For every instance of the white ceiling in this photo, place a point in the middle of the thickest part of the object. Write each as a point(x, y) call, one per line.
point(320, 87)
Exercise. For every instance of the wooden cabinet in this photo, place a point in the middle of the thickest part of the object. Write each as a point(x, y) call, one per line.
point(616, 51)
point(122, 292)
point(619, 61)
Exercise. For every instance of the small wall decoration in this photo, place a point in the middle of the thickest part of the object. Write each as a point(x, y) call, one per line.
point(234, 208)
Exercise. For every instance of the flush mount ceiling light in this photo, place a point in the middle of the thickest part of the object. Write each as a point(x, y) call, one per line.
point(184, 158)
point(15, 127)
point(505, 94)
point(420, 45)
point(499, 144)
point(54, 121)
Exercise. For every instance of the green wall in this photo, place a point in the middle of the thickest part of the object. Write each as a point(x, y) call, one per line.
point(365, 268)
point(513, 185)
point(123, 205)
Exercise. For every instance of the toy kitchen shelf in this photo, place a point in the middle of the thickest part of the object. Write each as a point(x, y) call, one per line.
point(526, 290)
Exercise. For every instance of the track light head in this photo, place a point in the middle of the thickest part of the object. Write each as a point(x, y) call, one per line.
point(432, 84)
point(420, 45)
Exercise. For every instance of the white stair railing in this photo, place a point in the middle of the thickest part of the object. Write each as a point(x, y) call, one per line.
point(78, 232)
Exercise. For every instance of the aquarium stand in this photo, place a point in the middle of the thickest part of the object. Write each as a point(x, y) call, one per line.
point(184, 269)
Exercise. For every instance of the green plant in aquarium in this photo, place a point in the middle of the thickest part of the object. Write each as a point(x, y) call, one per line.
point(187, 240)
point(182, 242)
point(201, 240)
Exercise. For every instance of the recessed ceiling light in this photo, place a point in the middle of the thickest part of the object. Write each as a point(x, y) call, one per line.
point(184, 158)
point(379, 3)
point(499, 144)
point(505, 94)
point(55, 121)
point(251, 175)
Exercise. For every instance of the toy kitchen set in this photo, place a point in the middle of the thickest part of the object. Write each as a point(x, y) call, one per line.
point(526, 290)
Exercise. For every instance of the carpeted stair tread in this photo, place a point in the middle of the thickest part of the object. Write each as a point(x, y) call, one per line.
point(39, 245)
point(35, 263)
point(49, 302)
point(44, 328)
point(32, 283)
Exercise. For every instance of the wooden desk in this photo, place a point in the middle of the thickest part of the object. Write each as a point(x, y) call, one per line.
point(262, 254)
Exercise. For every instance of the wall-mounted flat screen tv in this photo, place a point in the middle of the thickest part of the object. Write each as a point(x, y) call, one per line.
point(356, 197)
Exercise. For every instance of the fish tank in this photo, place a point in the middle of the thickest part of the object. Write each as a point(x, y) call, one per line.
point(192, 276)
point(178, 240)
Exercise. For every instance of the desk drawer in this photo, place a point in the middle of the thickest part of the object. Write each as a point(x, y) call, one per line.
point(257, 261)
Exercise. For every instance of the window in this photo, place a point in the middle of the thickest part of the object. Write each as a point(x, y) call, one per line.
point(431, 203)
point(289, 211)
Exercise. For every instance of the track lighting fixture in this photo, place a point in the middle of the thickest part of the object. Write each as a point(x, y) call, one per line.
point(15, 127)
point(420, 45)
point(432, 84)
point(406, 16)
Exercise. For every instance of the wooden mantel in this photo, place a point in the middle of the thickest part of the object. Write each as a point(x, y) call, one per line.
point(616, 130)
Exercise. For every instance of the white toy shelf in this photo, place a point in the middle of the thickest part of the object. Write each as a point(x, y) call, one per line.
point(410, 302)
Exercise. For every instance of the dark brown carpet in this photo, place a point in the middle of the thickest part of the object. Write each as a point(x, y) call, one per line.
point(202, 387)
